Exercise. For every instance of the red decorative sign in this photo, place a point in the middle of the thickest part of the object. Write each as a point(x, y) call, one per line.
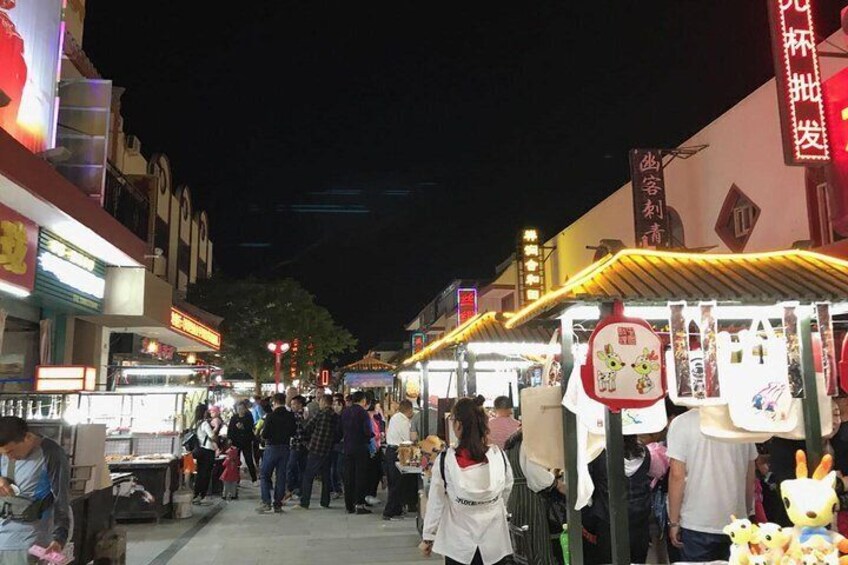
point(18, 249)
point(324, 379)
point(466, 301)
point(624, 367)
point(799, 87)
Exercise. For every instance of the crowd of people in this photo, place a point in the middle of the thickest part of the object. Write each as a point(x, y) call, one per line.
point(287, 441)
point(682, 486)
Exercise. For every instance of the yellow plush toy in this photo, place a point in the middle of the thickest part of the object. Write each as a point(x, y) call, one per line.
point(811, 504)
point(773, 541)
point(743, 536)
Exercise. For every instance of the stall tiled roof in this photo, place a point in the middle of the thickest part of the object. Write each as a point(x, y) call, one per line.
point(368, 364)
point(647, 276)
point(485, 328)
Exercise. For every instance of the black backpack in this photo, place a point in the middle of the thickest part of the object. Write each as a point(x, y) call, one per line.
point(190, 440)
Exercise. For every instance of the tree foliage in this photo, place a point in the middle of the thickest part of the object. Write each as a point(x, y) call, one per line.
point(256, 312)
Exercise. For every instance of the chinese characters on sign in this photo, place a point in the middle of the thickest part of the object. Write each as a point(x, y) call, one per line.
point(466, 300)
point(18, 242)
point(186, 325)
point(531, 266)
point(649, 208)
point(799, 87)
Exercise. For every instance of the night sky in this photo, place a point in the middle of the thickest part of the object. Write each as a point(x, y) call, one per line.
point(375, 151)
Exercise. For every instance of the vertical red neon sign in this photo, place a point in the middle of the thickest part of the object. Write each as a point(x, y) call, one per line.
point(799, 88)
point(466, 304)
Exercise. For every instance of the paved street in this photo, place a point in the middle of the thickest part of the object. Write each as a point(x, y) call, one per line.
point(232, 533)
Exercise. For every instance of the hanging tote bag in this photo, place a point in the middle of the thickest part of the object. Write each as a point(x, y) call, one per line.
point(716, 423)
point(755, 377)
point(688, 382)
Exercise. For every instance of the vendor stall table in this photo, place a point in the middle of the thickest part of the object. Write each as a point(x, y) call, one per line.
point(161, 478)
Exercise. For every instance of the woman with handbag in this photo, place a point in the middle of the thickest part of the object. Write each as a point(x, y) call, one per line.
point(466, 519)
point(204, 454)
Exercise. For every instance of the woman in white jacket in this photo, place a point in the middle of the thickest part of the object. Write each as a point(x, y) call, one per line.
point(466, 518)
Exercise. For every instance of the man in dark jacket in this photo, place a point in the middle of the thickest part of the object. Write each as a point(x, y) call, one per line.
point(356, 428)
point(240, 432)
point(38, 469)
point(323, 431)
point(277, 433)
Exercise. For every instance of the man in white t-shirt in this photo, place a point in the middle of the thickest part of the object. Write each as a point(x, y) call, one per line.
point(709, 480)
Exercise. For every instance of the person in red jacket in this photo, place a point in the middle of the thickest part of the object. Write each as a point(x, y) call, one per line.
point(231, 474)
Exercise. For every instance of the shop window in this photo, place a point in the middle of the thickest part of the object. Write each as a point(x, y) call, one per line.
point(737, 219)
point(743, 219)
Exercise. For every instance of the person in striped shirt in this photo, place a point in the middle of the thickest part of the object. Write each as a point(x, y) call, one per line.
point(503, 425)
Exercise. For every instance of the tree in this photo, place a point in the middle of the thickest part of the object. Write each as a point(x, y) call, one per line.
point(256, 312)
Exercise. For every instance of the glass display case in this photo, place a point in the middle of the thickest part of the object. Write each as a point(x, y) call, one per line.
point(139, 423)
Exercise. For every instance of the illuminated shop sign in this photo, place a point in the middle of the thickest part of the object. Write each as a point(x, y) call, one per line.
point(188, 326)
point(67, 274)
point(18, 248)
point(64, 378)
point(30, 44)
point(466, 300)
point(419, 340)
point(799, 86)
point(531, 266)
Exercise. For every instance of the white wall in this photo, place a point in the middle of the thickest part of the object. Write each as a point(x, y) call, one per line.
point(745, 148)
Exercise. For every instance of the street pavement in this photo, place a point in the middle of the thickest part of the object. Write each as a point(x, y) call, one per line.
point(228, 533)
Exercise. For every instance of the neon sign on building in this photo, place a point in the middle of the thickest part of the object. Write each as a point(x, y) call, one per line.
point(466, 299)
point(531, 266)
point(799, 86)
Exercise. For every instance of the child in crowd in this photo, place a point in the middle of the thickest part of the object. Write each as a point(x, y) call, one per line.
point(231, 474)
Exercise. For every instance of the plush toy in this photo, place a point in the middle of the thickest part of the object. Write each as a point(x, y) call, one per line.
point(430, 446)
point(811, 504)
point(773, 541)
point(742, 535)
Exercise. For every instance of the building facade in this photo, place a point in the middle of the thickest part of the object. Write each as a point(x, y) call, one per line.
point(95, 241)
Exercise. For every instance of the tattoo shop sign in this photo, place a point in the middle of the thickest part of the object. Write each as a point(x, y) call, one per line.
point(624, 363)
point(649, 207)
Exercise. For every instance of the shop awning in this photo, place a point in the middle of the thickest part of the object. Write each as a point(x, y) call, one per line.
point(29, 185)
point(489, 328)
point(641, 276)
point(368, 364)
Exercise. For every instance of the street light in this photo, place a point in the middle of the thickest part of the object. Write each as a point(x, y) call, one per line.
point(278, 348)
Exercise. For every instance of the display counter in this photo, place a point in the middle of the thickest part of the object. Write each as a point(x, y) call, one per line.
point(159, 477)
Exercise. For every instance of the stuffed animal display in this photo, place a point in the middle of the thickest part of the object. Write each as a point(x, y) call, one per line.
point(811, 504)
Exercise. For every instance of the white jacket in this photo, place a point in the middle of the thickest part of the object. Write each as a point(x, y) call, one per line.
point(471, 512)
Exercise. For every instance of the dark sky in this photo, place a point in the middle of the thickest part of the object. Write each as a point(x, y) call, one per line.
point(431, 130)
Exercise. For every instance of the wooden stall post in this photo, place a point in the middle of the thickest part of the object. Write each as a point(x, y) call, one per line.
point(617, 481)
point(459, 353)
point(569, 435)
point(425, 401)
point(471, 381)
point(810, 401)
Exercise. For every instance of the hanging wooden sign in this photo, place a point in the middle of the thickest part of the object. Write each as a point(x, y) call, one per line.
point(624, 363)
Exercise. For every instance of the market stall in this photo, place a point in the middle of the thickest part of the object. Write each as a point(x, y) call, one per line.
point(481, 356)
point(656, 301)
point(369, 373)
point(143, 429)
